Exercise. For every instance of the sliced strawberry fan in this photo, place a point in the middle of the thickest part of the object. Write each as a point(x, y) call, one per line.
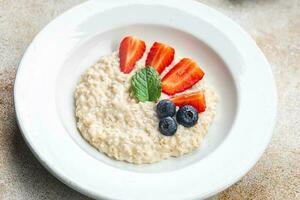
point(181, 77)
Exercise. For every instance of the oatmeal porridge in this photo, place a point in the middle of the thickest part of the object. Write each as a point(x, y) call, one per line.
point(112, 120)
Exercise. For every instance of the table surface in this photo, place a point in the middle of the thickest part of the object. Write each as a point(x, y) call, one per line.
point(274, 24)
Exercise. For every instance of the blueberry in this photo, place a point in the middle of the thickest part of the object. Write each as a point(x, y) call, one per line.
point(165, 108)
point(187, 116)
point(167, 126)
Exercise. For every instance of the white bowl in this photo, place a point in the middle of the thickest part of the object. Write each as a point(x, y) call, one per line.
point(234, 65)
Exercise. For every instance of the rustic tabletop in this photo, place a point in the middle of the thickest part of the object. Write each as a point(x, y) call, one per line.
point(274, 24)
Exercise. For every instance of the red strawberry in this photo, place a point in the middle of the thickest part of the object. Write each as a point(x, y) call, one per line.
point(196, 99)
point(131, 50)
point(182, 76)
point(160, 56)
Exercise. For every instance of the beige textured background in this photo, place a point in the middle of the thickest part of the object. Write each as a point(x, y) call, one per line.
point(274, 24)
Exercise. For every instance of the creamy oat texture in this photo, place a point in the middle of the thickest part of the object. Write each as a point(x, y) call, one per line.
point(114, 122)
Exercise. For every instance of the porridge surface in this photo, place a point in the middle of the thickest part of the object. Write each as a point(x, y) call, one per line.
point(114, 122)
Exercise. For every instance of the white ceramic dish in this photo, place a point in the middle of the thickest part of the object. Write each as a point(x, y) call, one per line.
point(234, 65)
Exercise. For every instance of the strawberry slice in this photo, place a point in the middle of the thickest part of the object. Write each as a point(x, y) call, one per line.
point(160, 56)
point(196, 99)
point(182, 76)
point(130, 51)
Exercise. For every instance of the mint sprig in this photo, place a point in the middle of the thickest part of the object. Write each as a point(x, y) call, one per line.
point(146, 85)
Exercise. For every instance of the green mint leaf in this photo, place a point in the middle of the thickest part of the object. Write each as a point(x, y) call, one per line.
point(145, 85)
